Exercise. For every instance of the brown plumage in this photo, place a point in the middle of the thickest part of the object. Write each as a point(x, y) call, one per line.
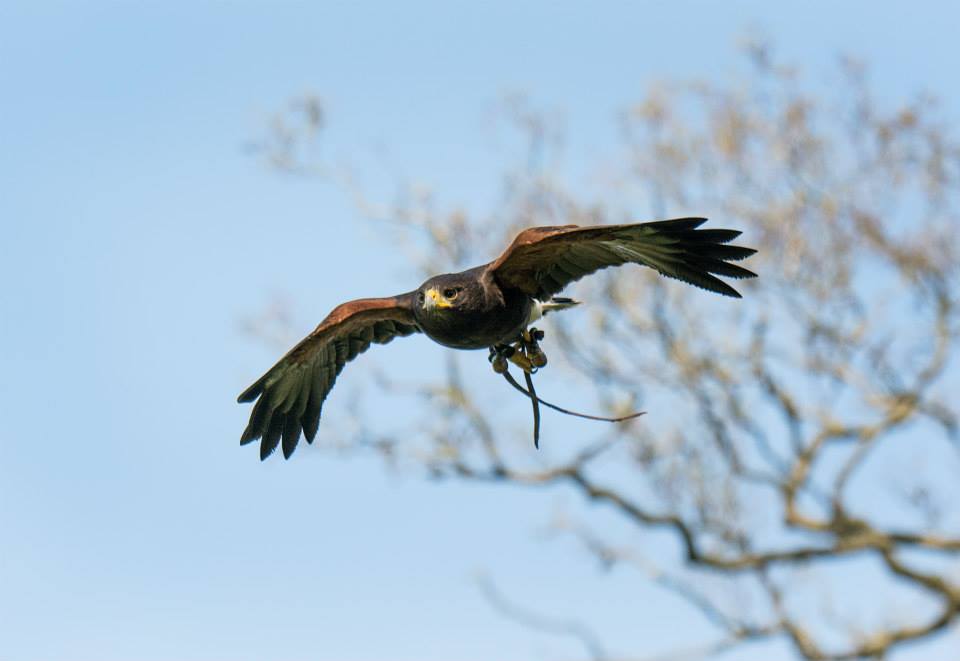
point(482, 307)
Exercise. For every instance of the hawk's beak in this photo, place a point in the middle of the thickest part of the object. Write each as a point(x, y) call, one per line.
point(435, 300)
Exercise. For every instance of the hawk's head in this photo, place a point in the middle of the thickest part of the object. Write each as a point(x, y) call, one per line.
point(448, 293)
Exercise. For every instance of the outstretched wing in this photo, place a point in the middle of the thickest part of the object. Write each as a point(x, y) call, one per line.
point(543, 260)
point(292, 392)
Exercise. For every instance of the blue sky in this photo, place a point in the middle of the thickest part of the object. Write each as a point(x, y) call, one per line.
point(136, 233)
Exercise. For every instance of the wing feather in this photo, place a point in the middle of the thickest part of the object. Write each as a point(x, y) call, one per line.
point(272, 437)
point(289, 397)
point(541, 261)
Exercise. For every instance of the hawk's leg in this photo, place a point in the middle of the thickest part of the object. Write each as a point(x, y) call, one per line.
point(524, 352)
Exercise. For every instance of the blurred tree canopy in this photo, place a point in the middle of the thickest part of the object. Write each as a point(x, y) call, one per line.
point(800, 435)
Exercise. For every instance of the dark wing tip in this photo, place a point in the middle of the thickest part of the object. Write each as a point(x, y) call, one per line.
point(266, 449)
point(710, 283)
point(733, 293)
point(703, 255)
point(252, 392)
point(676, 224)
point(291, 435)
point(248, 436)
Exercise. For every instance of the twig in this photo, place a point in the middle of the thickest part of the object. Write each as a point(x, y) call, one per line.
point(587, 638)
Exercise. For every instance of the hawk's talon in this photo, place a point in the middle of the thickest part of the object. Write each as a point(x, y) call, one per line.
point(499, 355)
point(520, 360)
point(538, 358)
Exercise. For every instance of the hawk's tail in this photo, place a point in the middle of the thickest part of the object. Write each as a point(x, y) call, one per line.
point(557, 303)
point(541, 308)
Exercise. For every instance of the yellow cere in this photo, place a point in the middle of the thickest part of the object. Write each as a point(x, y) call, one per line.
point(437, 298)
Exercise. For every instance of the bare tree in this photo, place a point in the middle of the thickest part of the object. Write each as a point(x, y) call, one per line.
point(808, 425)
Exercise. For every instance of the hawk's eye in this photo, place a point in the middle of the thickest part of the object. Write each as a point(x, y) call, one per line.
point(450, 293)
point(420, 298)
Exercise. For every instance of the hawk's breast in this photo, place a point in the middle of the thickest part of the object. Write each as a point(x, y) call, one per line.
point(477, 326)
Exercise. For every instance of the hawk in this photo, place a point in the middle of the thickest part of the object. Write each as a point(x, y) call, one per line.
point(487, 307)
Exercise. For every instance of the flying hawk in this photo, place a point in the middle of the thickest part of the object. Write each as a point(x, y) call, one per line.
point(489, 306)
